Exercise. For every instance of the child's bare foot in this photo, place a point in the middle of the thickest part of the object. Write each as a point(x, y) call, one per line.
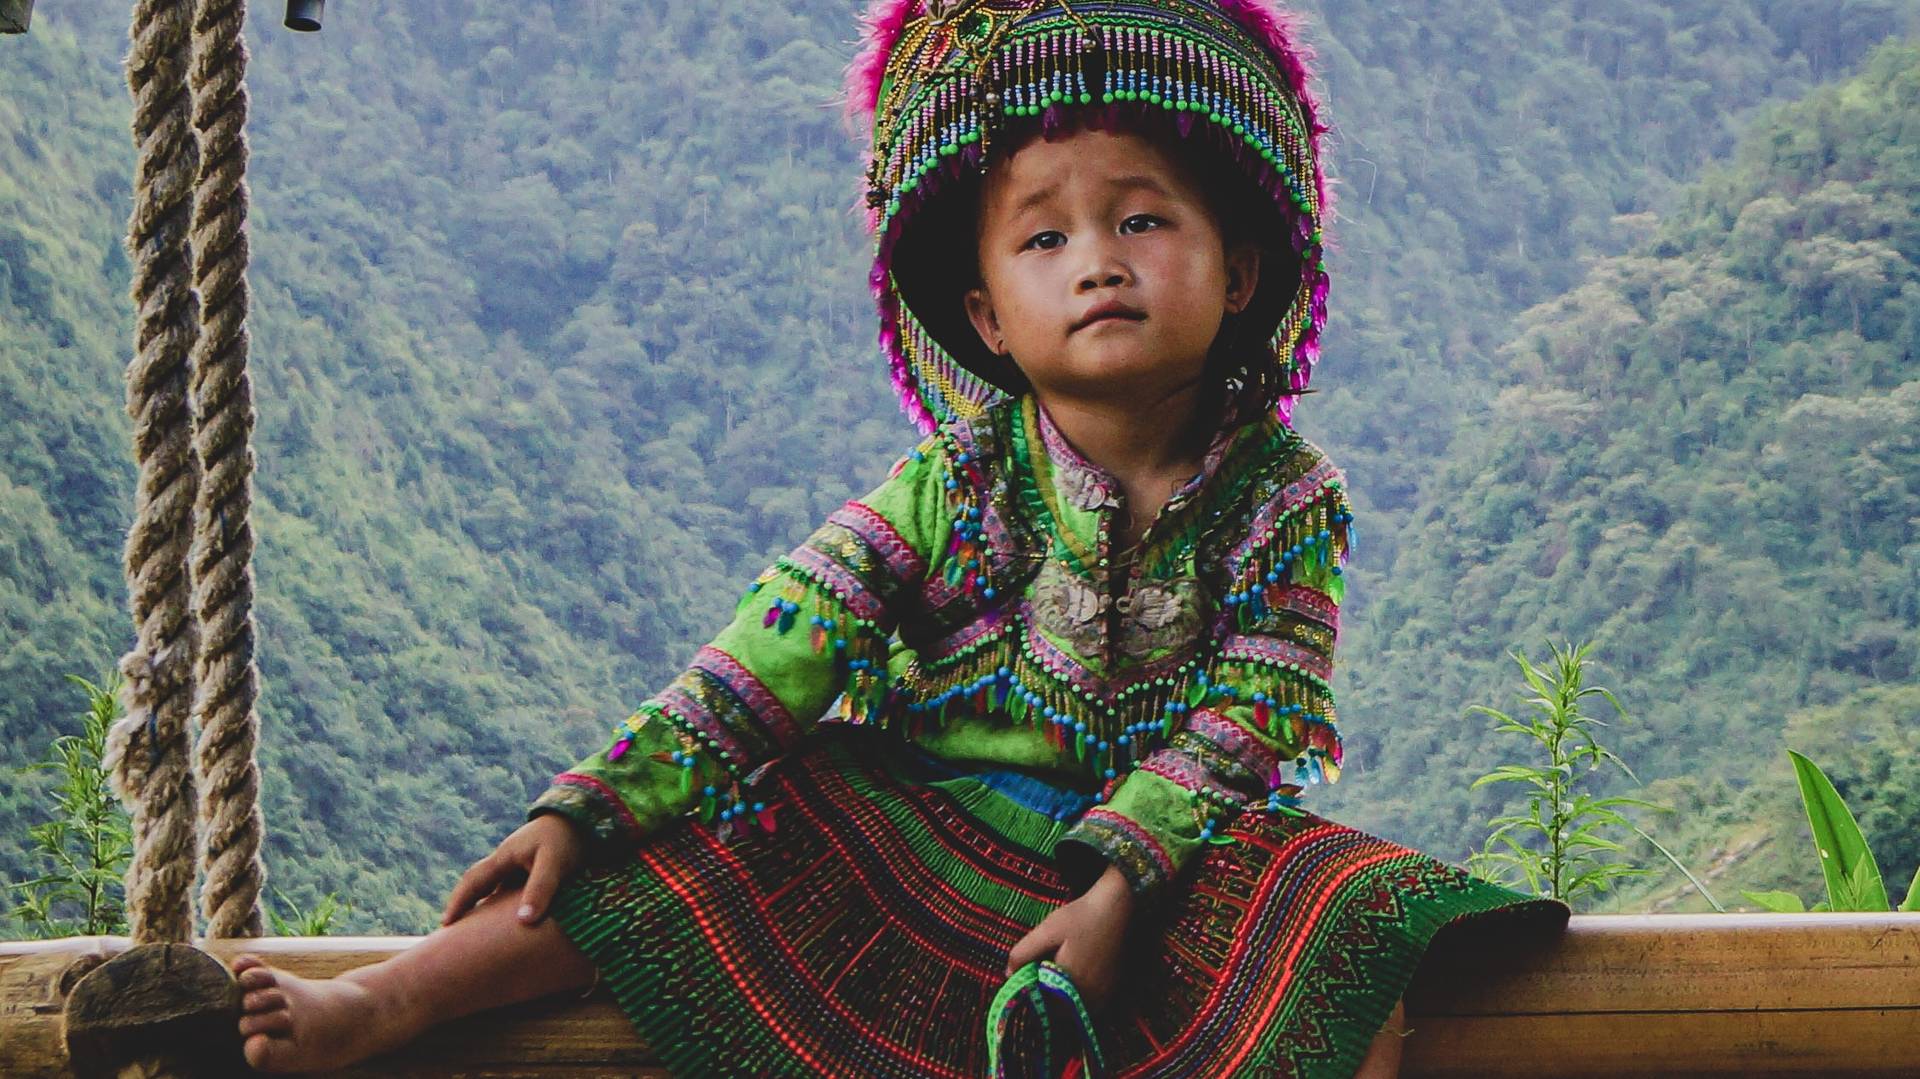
point(294, 1024)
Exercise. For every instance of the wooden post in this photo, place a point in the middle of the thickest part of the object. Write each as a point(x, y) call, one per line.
point(15, 15)
point(164, 1011)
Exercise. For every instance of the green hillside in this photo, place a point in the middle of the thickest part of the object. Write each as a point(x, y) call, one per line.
point(561, 331)
point(1705, 457)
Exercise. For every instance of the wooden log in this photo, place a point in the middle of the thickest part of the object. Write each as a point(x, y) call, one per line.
point(1671, 995)
point(160, 1010)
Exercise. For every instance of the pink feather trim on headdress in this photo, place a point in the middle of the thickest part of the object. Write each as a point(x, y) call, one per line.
point(1281, 32)
point(880, 28)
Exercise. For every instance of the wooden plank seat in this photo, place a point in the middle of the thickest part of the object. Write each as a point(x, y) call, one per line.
point(1752, 995)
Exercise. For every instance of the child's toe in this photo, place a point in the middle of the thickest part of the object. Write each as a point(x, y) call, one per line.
point(263, 1052)
point(245, 960)
point(260, 1000)
point(256, 978)
point(274, 1022)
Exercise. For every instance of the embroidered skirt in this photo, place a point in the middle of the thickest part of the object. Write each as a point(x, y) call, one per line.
point(867, 935)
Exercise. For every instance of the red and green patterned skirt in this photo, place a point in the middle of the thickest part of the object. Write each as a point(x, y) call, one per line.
point(868, 934)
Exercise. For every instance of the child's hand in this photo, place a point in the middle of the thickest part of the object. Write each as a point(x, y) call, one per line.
point(545, 851)
point(1084, 937)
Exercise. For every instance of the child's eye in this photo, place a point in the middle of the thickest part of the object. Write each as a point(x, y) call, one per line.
point(1138, 217)
point(1040, 235)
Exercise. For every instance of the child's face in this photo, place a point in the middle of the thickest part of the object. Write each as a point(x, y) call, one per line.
point(1098, 218)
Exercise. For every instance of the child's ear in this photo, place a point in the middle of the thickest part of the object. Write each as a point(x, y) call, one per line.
point(1243, 276)
point(985, 322)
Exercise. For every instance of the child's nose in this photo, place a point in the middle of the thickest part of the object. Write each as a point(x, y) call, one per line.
point(1105, 273)
point(1104, 266)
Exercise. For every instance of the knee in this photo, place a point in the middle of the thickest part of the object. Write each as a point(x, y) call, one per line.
point(1383, 1056)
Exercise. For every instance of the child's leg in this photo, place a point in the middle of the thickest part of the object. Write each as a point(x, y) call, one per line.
point(1383, 1056)
point(486, 959)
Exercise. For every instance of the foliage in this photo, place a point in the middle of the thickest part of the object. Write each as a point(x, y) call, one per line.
point(1566, 823)
point(1853, 876)
point(85, 843)
point(1695, 457)
point(1753, 837)
point(299, 922)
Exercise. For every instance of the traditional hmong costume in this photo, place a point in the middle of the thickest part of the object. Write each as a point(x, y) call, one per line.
point(951, 708)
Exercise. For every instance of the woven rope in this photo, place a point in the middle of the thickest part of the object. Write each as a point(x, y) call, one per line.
point(147, 752)
point(191, 400)
point(226, 680)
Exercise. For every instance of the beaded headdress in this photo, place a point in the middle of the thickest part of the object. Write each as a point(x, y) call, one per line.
point(938, 81)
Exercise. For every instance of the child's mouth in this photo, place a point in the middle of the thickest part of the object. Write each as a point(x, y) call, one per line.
point(1103, 317)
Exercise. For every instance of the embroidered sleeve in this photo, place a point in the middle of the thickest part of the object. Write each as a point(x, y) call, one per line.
point(812, 629)
point(1256, 726)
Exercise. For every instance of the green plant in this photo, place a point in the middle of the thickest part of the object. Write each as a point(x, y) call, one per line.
point(88, 840)
point(1565, 824)
point(1853, 876)
point(317, 922)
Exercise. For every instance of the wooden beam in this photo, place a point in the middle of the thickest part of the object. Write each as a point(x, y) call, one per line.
point(1672, 995)
point(555, 1037)
point(1753, 995)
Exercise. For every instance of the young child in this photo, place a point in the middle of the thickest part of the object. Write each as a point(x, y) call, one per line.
point(1077, 646)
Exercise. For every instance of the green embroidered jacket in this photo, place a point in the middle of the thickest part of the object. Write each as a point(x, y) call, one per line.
point(974, 604)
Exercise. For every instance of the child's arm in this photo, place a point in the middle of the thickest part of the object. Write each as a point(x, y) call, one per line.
point(814, 625)
point(1262, 725)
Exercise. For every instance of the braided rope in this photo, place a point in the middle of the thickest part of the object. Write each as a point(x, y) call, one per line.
point(226, 680)
point(147, 752)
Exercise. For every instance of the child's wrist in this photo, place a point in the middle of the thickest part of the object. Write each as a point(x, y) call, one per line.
point(1113, 887)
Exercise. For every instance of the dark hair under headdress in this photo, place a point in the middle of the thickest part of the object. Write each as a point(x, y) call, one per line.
point(940, 82)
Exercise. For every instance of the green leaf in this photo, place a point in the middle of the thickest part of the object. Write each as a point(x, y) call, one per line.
point(1502, 837)
point(1494, 712)
point(1836, 835)
point(1911, 905)
point(1596, 818)
point(1534, 679)
point(1508, 773)
point(1861, 881)
point(1777, 902)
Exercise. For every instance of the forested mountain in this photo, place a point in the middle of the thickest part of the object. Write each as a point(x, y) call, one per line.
point(561, 331)
point(1705, 457)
